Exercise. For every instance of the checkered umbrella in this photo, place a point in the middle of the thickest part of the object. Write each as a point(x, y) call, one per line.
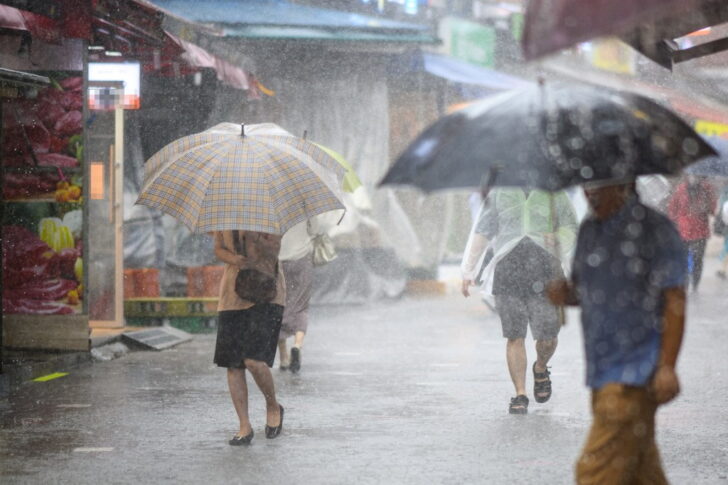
point(265, 180)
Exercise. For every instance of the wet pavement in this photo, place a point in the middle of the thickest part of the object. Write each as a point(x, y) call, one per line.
point(410, 391)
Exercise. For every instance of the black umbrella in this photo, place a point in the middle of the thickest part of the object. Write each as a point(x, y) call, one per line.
point(713, 166)
point(549, 136)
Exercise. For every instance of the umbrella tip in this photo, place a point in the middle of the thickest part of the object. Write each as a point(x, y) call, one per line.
point(242, 129)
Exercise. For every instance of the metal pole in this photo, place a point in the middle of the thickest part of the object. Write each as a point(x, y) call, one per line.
point(2, 223)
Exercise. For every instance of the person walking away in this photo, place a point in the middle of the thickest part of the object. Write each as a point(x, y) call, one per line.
point(247, 332)
point(721, 222)
point(296, 259)
point(690, 208)
point(528, 231)
point(628, 276)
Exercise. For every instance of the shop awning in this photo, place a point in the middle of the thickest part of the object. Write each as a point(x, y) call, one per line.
point(196, 56)
point(463, 72)
point(279, 19)
point(39, 26)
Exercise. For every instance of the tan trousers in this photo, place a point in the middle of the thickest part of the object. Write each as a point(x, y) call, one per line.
point(621, 448)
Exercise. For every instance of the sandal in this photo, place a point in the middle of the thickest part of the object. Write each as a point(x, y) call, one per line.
point(519, 405)
point(541, 385)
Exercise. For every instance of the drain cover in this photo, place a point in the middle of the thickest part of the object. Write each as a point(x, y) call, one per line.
point(158, 338)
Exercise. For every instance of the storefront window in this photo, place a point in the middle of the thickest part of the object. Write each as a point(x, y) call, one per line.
point(43, 195)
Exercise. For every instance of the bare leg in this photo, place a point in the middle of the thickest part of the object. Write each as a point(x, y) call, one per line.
point(298, 342)
point(283, 353)
point(544, 351)
point(264, 380)
point(239, 393)
point(516, 357)
point(296, 351)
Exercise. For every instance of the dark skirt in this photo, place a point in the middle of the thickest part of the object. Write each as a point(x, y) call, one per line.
point(248, 334)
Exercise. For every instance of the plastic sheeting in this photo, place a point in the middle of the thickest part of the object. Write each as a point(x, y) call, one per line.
point(358, 275)
point(333, 112)
point(144, 236)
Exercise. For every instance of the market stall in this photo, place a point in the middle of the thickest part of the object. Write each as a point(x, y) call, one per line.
point(43, 210)
point(62, 138)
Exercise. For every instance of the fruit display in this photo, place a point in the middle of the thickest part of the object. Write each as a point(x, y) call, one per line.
point(42, 273)
point(42, 226)
point(42, 132)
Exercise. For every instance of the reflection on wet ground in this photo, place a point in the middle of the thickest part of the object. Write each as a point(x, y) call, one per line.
point(410, 391)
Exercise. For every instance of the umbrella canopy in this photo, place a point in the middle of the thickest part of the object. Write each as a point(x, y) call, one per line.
point(713, 166)
point(551, 25)
point(549, 136)
point(266, 180)
point(655, 39)
point(351, 180)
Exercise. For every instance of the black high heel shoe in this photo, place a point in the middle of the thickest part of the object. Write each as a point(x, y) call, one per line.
point(295, 364)
point(241, 440)
point(273, 431)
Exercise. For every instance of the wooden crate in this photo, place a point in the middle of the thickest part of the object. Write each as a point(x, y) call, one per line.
point(47, 332)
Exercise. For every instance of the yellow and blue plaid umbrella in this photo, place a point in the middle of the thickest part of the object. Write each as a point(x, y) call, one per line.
point(266, 180)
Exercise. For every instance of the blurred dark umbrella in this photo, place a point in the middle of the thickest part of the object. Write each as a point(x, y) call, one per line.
point(549, 136)
point(647, 25)
point(713, 166)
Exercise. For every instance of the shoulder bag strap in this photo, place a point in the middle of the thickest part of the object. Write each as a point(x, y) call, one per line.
point(237, 246)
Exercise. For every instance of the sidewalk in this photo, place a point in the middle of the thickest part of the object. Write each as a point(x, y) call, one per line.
point(405, 392)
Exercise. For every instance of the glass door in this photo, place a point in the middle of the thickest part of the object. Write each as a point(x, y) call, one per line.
point(105, 155)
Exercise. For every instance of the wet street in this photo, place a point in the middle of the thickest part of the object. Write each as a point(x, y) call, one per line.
point(409, 391)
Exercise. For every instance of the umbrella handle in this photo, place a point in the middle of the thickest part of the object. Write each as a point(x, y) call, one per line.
point(487, 182)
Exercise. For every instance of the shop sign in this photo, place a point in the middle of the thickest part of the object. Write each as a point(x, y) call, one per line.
point(613, 55)
point(468, 41)
point(126, 73)
point(711, 128)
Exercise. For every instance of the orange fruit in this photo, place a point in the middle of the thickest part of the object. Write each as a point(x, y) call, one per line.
point(74, 192)
point(73, 297)
point(62, 195)
point(62, 185)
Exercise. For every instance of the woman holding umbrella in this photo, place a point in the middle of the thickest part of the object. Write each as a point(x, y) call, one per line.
point(248, 332)
point(246, 185)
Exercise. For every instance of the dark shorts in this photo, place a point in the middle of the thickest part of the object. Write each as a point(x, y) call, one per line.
point(248, 334)
point(518, 312)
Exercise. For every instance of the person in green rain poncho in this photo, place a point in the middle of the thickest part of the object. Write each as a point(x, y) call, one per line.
point(530, 232)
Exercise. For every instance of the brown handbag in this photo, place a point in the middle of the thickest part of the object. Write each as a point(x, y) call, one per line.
point(251, 284)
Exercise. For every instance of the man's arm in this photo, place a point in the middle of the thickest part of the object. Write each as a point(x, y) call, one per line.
point(665, 384)
point(475, 248)
point(485, 227)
